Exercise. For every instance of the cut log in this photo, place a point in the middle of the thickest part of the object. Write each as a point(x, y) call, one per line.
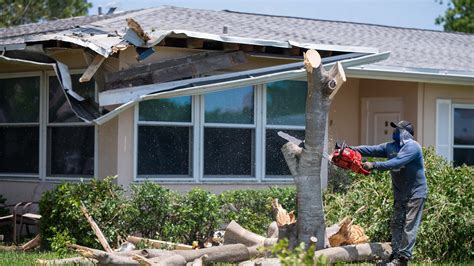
point(158, 243)
point(197, 262)
point(142, 260)
point(272, 231)
point(348, 234)
point(227, 253)
point(100, 236)
point(68, 261)
point(236, 234)
point(103, 257)
point(286, 223)
point(33, 243)
point(356, 253)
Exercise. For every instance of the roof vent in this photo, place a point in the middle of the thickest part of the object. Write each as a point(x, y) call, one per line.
point(225, 30)
point(99, 10)
point(111, 10)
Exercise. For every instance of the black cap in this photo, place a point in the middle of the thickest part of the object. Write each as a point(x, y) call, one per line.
point(404, 125)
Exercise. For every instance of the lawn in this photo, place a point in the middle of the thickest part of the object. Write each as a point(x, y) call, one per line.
point(27, 258)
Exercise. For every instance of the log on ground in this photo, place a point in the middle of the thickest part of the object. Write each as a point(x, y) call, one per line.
point(356, 253)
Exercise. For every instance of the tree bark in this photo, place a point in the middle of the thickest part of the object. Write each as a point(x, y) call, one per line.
point(96, 229)
point(322, 86)
point(356, 253)
point(68, 261)
point(158, 243)
point(236, 234)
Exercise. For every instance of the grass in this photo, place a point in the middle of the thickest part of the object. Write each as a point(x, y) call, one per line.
point(27, 258)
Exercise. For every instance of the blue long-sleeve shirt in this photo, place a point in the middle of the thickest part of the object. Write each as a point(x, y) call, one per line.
point(406, 165)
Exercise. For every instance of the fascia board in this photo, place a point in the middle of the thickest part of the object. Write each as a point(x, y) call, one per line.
point(403, 74)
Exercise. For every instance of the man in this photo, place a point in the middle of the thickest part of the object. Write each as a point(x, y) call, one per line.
point(408, 185)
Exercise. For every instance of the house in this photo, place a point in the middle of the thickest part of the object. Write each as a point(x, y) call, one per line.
point(197, 98)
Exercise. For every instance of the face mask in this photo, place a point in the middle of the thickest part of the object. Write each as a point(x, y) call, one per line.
point(396, 135)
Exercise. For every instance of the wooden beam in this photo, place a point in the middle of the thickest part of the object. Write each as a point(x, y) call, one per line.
point(93, 67)
point(231, 46)
point(194, 43)
point(174, 69)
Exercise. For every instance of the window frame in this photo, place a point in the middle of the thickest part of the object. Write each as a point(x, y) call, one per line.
point(265, 177)
point(231, 178)
point(49, 74)
point(13, 176)
point(43, 124)
point(197, 156)
point(451, 141)
point(165, 178)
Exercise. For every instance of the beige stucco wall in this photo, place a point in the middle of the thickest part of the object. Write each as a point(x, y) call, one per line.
point(107, 138)
point(429, 94)
point(125, 142)
point(344, 118)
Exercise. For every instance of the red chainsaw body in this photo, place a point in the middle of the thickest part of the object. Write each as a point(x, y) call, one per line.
point(350, 159)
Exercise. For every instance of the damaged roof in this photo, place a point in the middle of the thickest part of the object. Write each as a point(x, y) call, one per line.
point(410, 48)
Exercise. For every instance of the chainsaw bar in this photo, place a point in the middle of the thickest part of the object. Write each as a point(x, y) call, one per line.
point(297, 141)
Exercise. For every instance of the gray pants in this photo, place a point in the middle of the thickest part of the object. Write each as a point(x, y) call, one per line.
point(406, 220)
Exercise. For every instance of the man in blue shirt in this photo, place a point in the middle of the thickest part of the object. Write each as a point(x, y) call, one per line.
point(408, 184)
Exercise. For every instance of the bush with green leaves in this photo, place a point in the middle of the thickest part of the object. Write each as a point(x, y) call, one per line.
point(252, 208)
point(63, 222)
point(447, 225)
point(195, 217)
point(150, 209)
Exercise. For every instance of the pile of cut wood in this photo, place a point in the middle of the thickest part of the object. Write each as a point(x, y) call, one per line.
point(346, 242)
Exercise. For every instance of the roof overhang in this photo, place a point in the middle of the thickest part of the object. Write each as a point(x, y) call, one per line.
point(128, 97)
point(411, 74)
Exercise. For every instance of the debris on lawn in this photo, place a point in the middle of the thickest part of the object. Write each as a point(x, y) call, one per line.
point(233, 245)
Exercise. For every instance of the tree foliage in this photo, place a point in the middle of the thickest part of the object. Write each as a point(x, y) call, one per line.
point(458, 17)
point(17, 12)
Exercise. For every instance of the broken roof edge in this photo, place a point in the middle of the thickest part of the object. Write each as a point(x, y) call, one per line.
point(158, 36)
point(289, 71)
point(104, 51)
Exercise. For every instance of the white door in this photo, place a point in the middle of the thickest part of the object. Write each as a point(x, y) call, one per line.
point(375, 112)
point(382, 129)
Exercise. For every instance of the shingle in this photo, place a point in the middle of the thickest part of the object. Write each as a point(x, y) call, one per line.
point(413, 48)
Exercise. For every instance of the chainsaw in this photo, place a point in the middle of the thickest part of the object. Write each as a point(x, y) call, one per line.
point(343, 156)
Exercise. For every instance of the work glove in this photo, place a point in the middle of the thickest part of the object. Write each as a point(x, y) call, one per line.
point(368, 166)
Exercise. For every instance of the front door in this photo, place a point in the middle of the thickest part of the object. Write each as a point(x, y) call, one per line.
point(377, 113)
point(382, 129)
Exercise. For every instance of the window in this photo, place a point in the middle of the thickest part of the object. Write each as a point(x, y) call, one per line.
point(286, 103)
point(229, 133)
point(165, 138)
point(19, 125)
point(70, 141)
point(456, 141)
point(463, 134)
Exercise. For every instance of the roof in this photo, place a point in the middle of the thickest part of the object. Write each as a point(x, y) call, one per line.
point(410, 48)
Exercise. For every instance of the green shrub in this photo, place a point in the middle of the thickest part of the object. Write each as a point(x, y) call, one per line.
point(150, 209)
point(252, 208)
point(447, 225)
point(195, 217)
point(62, 220)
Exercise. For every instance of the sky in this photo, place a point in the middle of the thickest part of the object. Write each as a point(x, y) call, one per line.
point(401, 13)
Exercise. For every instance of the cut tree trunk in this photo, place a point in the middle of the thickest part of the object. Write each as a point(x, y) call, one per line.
point(158, 243)
point(236, 234)
point(306, 167)
point(108, 258)
point(348, 234)
point(68, 261)
point(356, 253)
